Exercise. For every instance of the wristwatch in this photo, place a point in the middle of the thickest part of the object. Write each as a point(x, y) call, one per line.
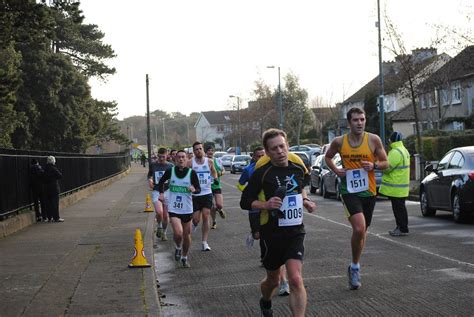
point(375, 166)
point(306, 199)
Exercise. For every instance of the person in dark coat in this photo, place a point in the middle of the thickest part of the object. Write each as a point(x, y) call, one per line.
point(36, 185)
point(51, 189)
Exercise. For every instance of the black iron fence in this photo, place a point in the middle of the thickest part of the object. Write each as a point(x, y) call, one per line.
point(79, 170)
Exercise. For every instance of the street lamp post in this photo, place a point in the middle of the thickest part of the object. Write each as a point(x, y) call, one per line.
point(238, 114)
point(280, 103)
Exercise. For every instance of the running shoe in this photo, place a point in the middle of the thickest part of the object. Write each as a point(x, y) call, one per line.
point(177, 254)
point(266, 312)
point(284, 289)
point(205, 246)
point(214, 225)
point(159, 232)
point(58, 220)
point(185, 263)
point(397, 232)
point(221, 213)
point(354, 278)
point(164, 237)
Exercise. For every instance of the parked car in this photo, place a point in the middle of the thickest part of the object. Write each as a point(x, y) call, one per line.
point(313, 145)
point(315, 173)
point(329, 181)
point(239, 162)
point(219, 154)
point(227, 161)
point(450, 185)
point(305, 158)
point(311, 152)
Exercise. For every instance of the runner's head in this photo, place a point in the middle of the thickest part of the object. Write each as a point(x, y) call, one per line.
point(356, 120)
point(198, 150)
point(258, 152)
point(276, 146)
point(210, 151)
point(162, 155)
point(173, 155)
point(181, 158)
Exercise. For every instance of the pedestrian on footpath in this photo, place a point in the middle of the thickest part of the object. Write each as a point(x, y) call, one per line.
point(396, 182)
point(361, 153)
point(281, 220)
point(51, 178)
point(183, 182)
point(202, 202)
point(156, 170)
point(36, 186)
point(216, 187)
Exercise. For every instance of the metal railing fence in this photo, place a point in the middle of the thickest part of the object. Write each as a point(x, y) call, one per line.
point(79, 170)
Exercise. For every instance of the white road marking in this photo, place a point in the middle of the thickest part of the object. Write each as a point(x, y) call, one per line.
point(398, 242)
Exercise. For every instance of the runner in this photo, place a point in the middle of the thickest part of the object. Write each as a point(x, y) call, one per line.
point(183, 182)
point(361, 154)
point(216, 188)
point(281, 219)
point(172, 156)
point(155, 172)
point(202, 202)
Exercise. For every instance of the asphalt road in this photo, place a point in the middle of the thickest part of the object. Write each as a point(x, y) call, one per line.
point(430, 272)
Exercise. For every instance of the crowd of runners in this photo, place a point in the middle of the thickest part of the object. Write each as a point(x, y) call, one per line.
point(187, 195)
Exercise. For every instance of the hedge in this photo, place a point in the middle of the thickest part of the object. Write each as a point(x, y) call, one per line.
point(434, 147)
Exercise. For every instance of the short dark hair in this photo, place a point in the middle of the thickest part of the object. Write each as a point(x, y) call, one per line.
point(196, 143)
point(172, 150)
point(354, 110)
point(258, 148)
point(162, 150)
point(209, 147)
point(270, 134)
point(183, 151)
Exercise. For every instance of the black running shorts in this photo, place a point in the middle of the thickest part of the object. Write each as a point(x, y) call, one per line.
point(184, 218)
point(200, 202)
point(280, 249)
point(354, 204)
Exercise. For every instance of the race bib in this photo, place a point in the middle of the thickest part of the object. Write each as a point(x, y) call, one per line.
point(178, 203)
point(203, 178)
point(158, 175)
point(292, 209)
point(357, 180)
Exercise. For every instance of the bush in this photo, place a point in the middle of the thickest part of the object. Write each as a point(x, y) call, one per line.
point(434, 147)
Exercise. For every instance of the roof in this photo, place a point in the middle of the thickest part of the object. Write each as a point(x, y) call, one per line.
point(404, 114)
point(218, 117)
point(393, 78)
point(460, 66)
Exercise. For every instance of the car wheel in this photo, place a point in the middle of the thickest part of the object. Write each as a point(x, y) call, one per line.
point(320, 187)
point(324, 191)
point(312, 189)
point(457, 214)
point(425, 210)
point(232, 171)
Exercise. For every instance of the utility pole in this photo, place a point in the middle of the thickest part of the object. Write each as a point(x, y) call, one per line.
point(148, 122)
point(381, 92)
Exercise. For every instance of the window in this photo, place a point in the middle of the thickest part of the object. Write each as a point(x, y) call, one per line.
point(443, 164)
point(220, 128)
point(422, 102)
point(458, 126)
point(456, 93)
point(444, 97)
point(457, 161)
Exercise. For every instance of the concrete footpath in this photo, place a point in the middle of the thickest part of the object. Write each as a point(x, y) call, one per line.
point(80, 267)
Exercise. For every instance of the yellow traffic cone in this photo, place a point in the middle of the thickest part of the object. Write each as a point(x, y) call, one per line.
point(148, 204)
point(139, 259)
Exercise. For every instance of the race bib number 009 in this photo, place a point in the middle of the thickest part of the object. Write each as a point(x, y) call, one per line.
point(357, 180)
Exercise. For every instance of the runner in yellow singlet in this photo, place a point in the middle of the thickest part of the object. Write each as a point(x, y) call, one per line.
point(361, 153)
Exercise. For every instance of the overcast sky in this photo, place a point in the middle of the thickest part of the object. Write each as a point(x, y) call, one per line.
point(197, 53)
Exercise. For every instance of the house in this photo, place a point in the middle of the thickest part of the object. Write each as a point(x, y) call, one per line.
point(423, 62)
point(448, 94)
point(214, 126)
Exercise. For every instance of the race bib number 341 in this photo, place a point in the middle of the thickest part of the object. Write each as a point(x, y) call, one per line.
point(357, 180)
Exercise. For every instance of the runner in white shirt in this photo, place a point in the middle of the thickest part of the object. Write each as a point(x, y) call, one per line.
point(202, 202)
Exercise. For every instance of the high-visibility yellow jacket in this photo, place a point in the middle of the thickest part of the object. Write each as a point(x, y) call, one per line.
point(396, 179)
